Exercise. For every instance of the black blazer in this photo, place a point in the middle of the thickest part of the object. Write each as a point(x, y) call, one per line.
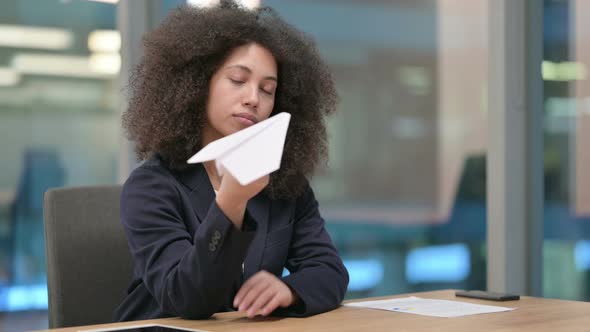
point(188, 256)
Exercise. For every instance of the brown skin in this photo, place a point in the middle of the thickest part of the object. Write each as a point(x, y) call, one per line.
point(170, 88)
point(241, 92)
point(263, 293)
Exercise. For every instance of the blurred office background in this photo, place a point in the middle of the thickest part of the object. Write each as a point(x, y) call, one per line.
point(404, 195)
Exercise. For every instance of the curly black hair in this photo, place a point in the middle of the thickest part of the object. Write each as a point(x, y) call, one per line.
point(170, 86)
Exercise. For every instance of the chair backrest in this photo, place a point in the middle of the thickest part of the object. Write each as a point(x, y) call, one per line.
point(88, 261)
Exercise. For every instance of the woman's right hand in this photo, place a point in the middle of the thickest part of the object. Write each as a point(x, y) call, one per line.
point(232, 197)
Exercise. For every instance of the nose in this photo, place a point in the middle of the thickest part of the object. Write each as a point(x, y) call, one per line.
point(251, 97)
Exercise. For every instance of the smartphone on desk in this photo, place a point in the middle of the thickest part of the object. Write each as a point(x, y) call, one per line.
point(483, 295)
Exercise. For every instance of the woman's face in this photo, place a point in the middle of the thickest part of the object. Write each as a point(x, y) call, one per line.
point(241, 91)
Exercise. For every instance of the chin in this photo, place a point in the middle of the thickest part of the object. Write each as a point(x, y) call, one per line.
point(230, 131)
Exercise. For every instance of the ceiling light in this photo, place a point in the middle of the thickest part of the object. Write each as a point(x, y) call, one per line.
point(63, 65)
point(34, 37)
point(109, 64)
point(104, 41)
point(203, 3)
point(8, 77)
point(251, 4)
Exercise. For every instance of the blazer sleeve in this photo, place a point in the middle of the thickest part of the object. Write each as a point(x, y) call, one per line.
point(189, 275)
point(318, 275)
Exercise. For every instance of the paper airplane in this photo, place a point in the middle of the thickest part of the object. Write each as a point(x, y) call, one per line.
point(250, 153)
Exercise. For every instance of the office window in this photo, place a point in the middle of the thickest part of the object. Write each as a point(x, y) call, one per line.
point(566, 70)
point(59, 125)
point(404, 192)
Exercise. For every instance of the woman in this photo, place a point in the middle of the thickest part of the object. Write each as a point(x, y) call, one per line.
point(202, 243)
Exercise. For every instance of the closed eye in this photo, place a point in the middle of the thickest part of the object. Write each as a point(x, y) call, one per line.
point(238, 82)
point(270, 93)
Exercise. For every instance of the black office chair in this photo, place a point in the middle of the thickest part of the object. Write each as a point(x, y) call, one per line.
point(88, 261)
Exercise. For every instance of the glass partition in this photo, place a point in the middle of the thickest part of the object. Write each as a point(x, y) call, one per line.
point(59, 125)
point(404, 192)
point(566, 65)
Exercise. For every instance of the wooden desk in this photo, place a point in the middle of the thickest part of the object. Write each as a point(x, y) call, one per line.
point(533, 314)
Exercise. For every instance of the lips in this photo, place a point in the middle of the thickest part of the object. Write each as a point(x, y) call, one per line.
point(246, 118)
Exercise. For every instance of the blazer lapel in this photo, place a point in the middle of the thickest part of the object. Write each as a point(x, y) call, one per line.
point(195, 177)
point(202, 194)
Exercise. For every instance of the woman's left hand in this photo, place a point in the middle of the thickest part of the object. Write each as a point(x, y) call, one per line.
point(262, 294)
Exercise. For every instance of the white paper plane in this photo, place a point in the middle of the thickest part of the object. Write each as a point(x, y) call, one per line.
point(250, 153)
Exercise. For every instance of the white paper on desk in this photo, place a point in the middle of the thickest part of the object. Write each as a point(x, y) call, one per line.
point(430, 307)
point(250, 153)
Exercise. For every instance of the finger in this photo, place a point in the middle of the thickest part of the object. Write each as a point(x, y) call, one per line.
point(246, 288)
point(266, 295)
point(254, 292)
point(271, 305)
point(250, 289)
